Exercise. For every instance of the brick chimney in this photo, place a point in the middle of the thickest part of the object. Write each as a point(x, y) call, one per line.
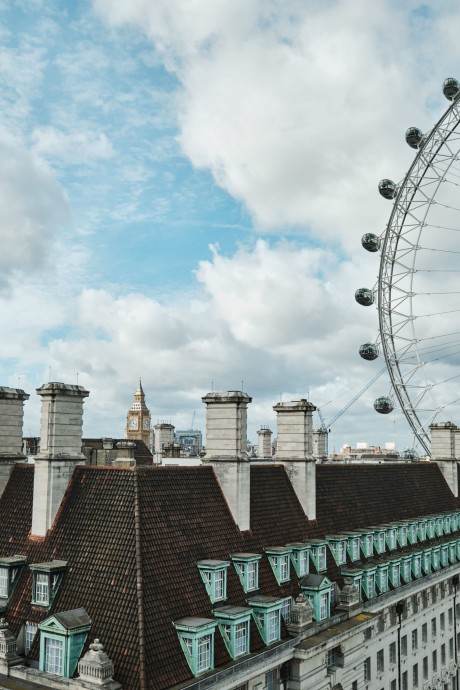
point(294, 448)
point(11, 421)
point(226, 449)
point(264, 446)
point(60, 450)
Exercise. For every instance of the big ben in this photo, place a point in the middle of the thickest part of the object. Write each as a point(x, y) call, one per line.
point(138, 418)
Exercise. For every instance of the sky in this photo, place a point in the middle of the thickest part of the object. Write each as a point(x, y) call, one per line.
point(183, 189)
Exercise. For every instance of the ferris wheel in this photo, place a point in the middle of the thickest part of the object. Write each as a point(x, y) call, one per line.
point(418, 288)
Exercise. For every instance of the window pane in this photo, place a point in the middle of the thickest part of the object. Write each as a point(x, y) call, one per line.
point(272, 625)
point(53, 656)
point(3, 582)
point(241, 638)
point(31, 631)
point(42, 588)
point(204, 653)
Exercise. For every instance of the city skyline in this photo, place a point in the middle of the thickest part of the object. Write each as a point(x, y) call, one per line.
point(183, 193)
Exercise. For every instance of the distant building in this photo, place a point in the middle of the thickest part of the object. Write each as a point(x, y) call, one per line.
point(138, 420)
point(190, 440)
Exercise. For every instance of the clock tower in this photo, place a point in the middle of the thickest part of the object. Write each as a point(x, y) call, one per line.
point(138, 418)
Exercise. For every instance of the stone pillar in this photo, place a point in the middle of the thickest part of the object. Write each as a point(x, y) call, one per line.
point(443, 451)
point(301, 616)
point(96, 670)
point(295, 450)
point(11, 420)
point(264, 449)
point(60, 450)
point(226, 449)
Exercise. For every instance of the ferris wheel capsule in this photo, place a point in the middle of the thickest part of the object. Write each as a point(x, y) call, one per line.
point(383, 405)
point(364, 296)
point(410, 454)
point(414, 137)
point(387, 189)
point(369, 351)
point(370, 242)
point(450, 88)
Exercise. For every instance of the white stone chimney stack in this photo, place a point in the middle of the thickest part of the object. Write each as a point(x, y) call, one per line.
point(11, 422)
point(226, 449)
point(264, 447)
point(60, 450)
point(294, 448)
point(445, 449)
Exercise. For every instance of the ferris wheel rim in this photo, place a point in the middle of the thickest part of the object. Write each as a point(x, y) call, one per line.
point(432, 145)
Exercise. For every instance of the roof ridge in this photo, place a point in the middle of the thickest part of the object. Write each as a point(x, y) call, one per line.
point(139, 582)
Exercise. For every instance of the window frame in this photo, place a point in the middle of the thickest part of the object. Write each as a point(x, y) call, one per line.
point(193, 632)
point(214, 575)
point(51, 575)
point(247, 569)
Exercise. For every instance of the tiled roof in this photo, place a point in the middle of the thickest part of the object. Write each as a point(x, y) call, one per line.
point(132, 538)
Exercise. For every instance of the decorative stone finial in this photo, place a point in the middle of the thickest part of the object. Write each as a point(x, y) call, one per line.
point(8, 654)
point(96, 669)
point(301, 616)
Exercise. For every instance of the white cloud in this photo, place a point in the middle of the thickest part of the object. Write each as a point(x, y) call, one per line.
point(292, 106)
point(32, 209)
point(74, 147)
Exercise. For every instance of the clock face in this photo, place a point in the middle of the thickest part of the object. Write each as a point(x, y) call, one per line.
point(133, 423)
point(146, 424)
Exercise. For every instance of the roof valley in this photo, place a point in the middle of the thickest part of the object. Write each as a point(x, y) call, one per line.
point(139, 582)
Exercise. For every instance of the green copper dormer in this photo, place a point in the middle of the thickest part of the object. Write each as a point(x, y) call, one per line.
point(457, 516)
point(447, 523)
point(457, 541)
point(444, 555)
point(318, 589)
point(267, 615)
point(353, 545)
point(431, 527)
point(454, 522)
point(422, 527)
point(416, 564)
point(436, 557)
point(300, 557)
point(338, 546)
point(394, 571)
point(401, 534)
point(379, 539)
point(280, 561)
point(390, 536)
point(247, 568)
point(214, 575)
point(355, 576)
point(47, 578)
point(381, 578)
point(406, 568)
point(412, 531)
point(427, 559)
point(452, 552)
point(318, 553)
point(367, 543)
point(10, 567)
point(439, 522)
point(62, 637)
point(234, 627)
point(196, 636)
point(368, 581)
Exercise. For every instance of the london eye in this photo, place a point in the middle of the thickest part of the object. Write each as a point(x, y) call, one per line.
point(418, 289)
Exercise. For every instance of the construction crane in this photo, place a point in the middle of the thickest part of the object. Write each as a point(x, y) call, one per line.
point(325, 428)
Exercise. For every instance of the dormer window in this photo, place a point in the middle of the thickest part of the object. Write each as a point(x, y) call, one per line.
point(435, 557)
point(62, 638)
point(318, 553)
point(422, 526)
point(267, 614)
point(247, 568)
point(367, 542)
point(454, 522)
point(402, 535)
point(426, 561)
point(46, 580)
point(353, 545)
point(196, 636)
point(417, 564)
point(406, 568)
point(412, 531)
point(214, 575)
point(381, 578)
point(318, 589)
point(338, 546)
point(439, 526)
point(379, 539)
point(279, 557)
point(447, 520)
point(10, 567)
point(445, 555)
point(234, 627)
point(390, 533)
point(453, 552)
point(394, 570)
point(431, 528)
point(368, 582)
point(300, 558)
